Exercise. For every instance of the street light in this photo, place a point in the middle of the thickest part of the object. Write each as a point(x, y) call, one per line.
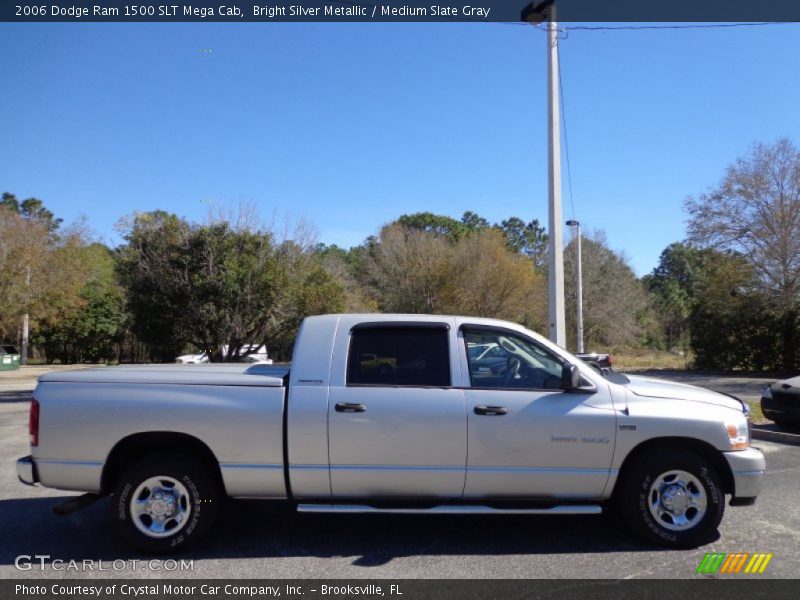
point(535, 13)
point(579, 281)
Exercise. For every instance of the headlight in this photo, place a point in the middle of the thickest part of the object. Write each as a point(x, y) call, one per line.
point(738, 434)
point(767, 393)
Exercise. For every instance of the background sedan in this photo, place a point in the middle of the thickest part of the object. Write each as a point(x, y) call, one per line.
point(780, 402)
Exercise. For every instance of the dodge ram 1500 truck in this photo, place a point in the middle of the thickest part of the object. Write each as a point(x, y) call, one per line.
point(544, 434)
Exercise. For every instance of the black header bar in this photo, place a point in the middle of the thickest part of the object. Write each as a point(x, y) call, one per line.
point(397, 589)
point(509, 11)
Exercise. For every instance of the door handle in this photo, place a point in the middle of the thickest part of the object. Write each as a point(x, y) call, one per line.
point(344, 407)
point(491, 410)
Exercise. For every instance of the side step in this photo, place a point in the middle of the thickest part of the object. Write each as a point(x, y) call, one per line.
point(453, 509)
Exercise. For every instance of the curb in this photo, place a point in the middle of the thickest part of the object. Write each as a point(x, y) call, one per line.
point(760, 432)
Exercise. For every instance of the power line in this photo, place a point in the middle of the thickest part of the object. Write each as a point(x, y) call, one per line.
point(567, 28)
point(687, 26)
point(566, 138)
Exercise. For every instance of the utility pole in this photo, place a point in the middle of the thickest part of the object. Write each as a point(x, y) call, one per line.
point(23, 359)
point(536, 13)
point(579, 281)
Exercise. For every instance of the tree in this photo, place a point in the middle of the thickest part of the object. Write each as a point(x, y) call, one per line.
point(436, 224)
point(488, 280)
point(31, 209)
point(613, 298)
point(529, 239)
point(428, 263)
point(674, 288)
point(407, 269)
point(524, 238)
point(307, 288)
point(413, 271)
point(713, 301)
point(346, 267)
point(732, 324)
point(755, 211)
point(40, 273)
point(155, 250)
point(218, 286)
point(92, 330)
point(474, 222)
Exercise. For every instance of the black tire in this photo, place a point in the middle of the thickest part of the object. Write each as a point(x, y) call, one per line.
point(634, 496)
point(202, 498)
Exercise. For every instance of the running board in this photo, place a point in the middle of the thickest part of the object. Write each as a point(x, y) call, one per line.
point(452, 509)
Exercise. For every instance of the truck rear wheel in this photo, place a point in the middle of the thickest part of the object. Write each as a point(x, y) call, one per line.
point(673, 498)
point(164, 503)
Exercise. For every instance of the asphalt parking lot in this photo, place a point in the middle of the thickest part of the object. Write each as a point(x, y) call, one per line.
point(259, 539)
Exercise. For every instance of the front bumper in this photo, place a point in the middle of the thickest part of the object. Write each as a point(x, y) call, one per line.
point(748, 467)
point(26, 471)
point(781, 405)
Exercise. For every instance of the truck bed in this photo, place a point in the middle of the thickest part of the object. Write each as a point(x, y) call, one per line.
point(236, 410)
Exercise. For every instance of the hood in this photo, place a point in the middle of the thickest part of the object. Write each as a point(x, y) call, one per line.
point(660, 388)
point(787, 384)
point(787, 388)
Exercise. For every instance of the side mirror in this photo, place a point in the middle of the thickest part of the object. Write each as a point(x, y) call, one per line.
point(570, 377)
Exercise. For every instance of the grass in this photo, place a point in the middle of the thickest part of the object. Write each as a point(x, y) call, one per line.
point(649, 359)
point(756, 416)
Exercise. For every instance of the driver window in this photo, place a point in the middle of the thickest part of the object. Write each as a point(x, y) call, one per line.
point(502, 360)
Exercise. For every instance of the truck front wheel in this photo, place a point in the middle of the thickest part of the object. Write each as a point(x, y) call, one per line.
point(673, 498)
point(164, 503)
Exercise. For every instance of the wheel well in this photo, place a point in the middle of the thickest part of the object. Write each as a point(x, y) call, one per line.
point(699, 447)
point(135, 447)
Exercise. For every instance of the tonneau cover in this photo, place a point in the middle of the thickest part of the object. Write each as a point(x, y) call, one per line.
point(215, 374)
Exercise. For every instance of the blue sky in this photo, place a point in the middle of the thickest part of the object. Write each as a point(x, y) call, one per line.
point(352, 125)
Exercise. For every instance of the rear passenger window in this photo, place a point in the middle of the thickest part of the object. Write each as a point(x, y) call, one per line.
point(414, 356)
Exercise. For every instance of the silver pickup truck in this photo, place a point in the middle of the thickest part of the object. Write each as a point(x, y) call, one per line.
point(392, 413)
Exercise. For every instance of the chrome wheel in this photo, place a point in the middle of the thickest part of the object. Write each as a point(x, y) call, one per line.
point(160, 506)
point(677, 500)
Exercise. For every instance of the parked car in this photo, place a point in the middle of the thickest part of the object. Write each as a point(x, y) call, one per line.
point(252, 353)
point(193, 359)
point(780, 402)
point(547, 434)
point(487, 358)
point(249, 353)
point(378, 365)
point(597, 360)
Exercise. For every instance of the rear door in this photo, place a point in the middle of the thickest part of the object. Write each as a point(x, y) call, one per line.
point(397, 426)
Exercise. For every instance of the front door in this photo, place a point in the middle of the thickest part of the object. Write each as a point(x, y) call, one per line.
point(527, 437)
point(397, 427)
